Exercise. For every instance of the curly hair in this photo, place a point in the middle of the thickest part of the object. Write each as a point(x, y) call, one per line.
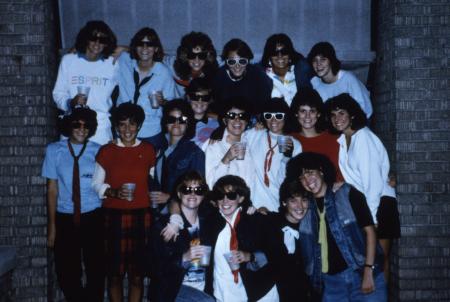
point(185, 108)
point(92, 27)
point(130, 111)
point(239, 46)
point(237, 184)
point(151, 34)
point(88, 116)
point(310, 161)
point(327, 50)
point(279, 105)
point(271, 45)
point(346, 102)
point(308, 97)
point(189, 42)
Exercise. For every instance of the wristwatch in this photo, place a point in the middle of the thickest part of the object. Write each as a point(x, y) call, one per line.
point(370, 266)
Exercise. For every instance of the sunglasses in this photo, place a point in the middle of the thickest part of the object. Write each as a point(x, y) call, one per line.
point(229, 195)
point(198, 97)
point(200, 55)
point(101, 40)
point(280, 52)
point(279, 116)
point(242, 116)
point(199, 191)
point(180, 120)
point(78, 125)
point(146, 44)
point(234, 61)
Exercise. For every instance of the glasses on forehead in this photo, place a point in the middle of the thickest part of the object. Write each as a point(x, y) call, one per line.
point(233, 115)
point(200, 55)
point(79, 125)
point(221, 195)
point(101, 40)
point(180, 120)
point(199, 191)
point(199, 97)
point(234, 61)
point(279, 116)
point(280, 52)
point(146, 43)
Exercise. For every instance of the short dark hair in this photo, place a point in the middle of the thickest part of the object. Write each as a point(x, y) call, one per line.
point(310, 161)
point(238, 46)
point(190, 176)
point(186, 110)
point(151, 34)
point(80, 114)
point(198, 84)
point(271, 45)
point(327, 50)
point(278, 105)
point(189, 42)
point(290, 189)
point(130, 111)
point(86, 32)
point(308, 97)
point(346, 102)
point(239, 186)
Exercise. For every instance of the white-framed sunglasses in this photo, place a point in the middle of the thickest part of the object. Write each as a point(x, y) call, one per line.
point(234, 61)
point(279, 116)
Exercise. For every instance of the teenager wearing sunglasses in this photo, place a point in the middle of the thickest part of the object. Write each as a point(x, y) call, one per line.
point(288, 69)
point(222, 152)
point(196, 58)
point(199, 95)
point(74, 227)
point(143, 77)
point(181, 154)
point(177, 276)
point(91, 67)
point(269, 163)
point(238, 78)
point(240, 235)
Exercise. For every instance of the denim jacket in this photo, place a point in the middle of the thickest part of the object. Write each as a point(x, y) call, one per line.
point(349, 237)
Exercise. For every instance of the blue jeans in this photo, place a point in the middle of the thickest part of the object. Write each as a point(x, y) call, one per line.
point(346, 287)
point(190, 294)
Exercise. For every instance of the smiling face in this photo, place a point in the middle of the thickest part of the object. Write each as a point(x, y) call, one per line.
point(190, 200)
point(307, 117)
point(322, 68)
point(275, 125)
point(79, 132)
point(197, 59)
point(313, 181)
point(237, 69)
point(178, 127)
point(296, 208)
point(227, 205)
point(280, 58)
point(341, 121)
point(95, 45)
point(145, 50)
point(198, 102)
point(128, 131)
point(236, 126)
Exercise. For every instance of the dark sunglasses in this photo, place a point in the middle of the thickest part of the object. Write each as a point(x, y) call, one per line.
point(180, 120)
point(199, 191)
point(198, 97)
point(77, 125)
point(242, 116)
point(280, 52)
point(279, 116)
point(230, 195)
point(101, 40)
point(240, 61)
point(146, 43)
point(200, 55)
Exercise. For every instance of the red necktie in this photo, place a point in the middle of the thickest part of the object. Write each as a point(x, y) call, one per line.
point(234, 242)
point(268, 160)
point(76, 198)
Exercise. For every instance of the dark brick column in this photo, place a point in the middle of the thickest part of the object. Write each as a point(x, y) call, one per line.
point(27, 68)
point(412, 114)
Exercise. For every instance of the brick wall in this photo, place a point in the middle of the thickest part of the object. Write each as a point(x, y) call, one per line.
point(27, 61)
point(411, 99)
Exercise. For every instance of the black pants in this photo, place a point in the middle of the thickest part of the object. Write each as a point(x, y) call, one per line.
point(74, 245)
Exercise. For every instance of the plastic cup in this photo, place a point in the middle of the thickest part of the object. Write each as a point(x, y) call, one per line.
point(229, 257)
point(241, 149)
point(153, 99)
point(204, 260)
point(131, 187)
point(153, 204)
point(83, 90)
point(282, 143)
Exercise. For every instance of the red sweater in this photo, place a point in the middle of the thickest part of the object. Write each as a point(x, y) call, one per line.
point(325, 144)
point(127, 165)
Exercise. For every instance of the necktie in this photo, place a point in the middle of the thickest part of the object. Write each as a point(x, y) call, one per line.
point(76, 198)
point(290, 235)
point(234, 242)
point(138, 85)
point(268, 160)
point(323, 240)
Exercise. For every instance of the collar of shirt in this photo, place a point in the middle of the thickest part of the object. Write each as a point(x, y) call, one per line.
point(120, 144)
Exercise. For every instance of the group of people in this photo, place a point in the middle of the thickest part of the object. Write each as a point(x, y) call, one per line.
point(240, 182)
